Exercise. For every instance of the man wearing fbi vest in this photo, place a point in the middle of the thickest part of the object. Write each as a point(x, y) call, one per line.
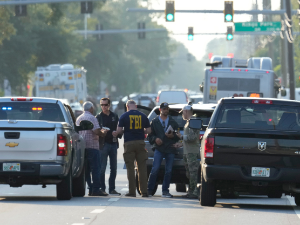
point(135, 125)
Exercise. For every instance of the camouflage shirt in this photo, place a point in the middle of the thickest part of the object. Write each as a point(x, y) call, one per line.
point(190, 139)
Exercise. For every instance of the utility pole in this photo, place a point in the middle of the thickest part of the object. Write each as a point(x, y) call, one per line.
point(290, 51)
point(284, 69)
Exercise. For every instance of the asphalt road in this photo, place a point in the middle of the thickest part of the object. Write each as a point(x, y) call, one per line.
point(35, 205)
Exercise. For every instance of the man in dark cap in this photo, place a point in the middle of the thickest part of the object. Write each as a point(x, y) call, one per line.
point(163, 142)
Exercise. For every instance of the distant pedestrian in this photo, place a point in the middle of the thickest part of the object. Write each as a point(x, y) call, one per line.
point(91, 138)
point(136, 125)
point(190, 144)
point(163, 143)
point(109, 120)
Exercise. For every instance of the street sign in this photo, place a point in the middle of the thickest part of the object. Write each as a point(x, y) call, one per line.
point(257, 26)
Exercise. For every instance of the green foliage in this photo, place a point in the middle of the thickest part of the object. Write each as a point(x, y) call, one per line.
point(46, 36)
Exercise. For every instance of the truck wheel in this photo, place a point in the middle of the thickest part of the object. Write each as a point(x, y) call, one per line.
point(208, 195)
point(274, 194)
point(138, 186)
point(79, 184)
point(64, 188)
point(180, 187)
point(297, 199)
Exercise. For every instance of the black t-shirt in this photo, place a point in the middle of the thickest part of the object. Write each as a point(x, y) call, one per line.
point(134, 123)
point(109, 121)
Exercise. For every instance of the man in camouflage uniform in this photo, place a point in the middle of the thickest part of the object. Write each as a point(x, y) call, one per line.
point(190, 144)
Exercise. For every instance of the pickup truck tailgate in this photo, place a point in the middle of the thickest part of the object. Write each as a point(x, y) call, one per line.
point(28, 140)
point(257, 148)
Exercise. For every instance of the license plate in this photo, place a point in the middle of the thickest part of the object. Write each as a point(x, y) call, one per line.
point(11, 166)
point(260, 172)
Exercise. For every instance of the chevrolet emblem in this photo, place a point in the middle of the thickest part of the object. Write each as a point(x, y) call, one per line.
point(12, 144)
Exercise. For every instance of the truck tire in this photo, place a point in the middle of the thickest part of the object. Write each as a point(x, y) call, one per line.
point(64, 188)
point(79, 184)
point(180, 187)
point(208, 195)
point(274, 194)
point(138, 186)
point(297, 199)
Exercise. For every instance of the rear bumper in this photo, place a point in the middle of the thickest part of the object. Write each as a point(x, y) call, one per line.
point(239, 173)
point(37, 169)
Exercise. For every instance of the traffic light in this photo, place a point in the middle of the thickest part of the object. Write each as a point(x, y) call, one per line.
point(141, 35)
point(21, 10)
point(228, 11)
point(99, 37)
point(229, 35)
point(86, 7)
point(170, 11)
point(190, 33)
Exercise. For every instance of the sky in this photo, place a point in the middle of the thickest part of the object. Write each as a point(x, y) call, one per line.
point(210, 23)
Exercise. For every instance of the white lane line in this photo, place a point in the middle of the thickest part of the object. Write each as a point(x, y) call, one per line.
point(113, 199)
point(98, 211)
point(124, 189)
point(292, 202)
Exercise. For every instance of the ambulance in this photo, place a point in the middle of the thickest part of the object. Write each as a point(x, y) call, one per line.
point(61, 81)
point(229, 77)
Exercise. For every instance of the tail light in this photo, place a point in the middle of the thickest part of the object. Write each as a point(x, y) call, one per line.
point(62, 147)
point(21, 99)
point(209, 145)
point(267, 102)
point(157, 99)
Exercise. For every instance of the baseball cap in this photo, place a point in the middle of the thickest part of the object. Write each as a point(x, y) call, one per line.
point(186, 107)
point(164, 105)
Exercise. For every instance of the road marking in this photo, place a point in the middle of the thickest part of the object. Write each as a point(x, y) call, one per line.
point(77, 223)
point(113, 199)
point(124, 189)
point(98, 211)
point(292, 202)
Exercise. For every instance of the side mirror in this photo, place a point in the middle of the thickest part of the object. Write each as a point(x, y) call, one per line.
point(282, 92)
point(195, 124)
point(84, 125)
point(201, 87)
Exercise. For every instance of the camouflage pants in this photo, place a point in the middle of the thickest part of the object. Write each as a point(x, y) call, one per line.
point(191, 165)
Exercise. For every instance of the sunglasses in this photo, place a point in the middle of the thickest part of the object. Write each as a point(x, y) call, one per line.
point(104, 104)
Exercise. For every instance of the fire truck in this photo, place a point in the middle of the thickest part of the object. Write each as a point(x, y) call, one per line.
point(229, 77)
point(61, 81)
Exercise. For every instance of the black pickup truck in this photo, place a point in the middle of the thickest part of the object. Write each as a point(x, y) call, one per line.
point(252, 145)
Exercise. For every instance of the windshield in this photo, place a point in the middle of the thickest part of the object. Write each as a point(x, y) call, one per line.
point(30, 111)
point(259, 116)
point(203, 115)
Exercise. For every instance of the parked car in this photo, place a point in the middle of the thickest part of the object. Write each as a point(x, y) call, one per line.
point(251, 146)
point(41, 145)
point(172, 96)
point(202, 112)
point(196, 99)
point(76, 108)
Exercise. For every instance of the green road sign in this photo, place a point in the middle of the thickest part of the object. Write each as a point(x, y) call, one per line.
point(257, 26)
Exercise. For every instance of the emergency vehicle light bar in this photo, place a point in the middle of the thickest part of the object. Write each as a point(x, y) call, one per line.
point(213, 64)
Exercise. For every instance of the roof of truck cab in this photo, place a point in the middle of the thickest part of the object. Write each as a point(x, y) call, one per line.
point(34, 99)
point(243, 99)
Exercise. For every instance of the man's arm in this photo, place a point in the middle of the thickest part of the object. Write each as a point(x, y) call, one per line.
point(118, 131)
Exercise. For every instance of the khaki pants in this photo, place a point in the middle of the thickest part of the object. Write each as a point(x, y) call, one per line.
point(135, 151)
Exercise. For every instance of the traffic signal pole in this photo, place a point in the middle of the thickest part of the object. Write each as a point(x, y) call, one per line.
point(290, 53)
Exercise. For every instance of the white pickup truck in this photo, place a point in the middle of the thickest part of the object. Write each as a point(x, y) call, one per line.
point(40, 144)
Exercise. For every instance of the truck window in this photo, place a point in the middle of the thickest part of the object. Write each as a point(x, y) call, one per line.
point(259, 116)
point(30, 111)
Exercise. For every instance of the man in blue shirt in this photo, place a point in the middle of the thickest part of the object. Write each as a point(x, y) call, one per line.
point(135, 125)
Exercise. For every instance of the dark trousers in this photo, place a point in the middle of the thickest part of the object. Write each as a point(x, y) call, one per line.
point(135, 151)
point(108, 150)
point(93, 167)
point(158, 157)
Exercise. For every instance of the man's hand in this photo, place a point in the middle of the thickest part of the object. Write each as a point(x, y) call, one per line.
point(178, 145)
point(114, 133)
point(171, 135)
point(104, 131)
point(158, 141)
point(179, 135)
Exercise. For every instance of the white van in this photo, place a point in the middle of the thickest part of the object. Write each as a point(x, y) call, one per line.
point(172, 96)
